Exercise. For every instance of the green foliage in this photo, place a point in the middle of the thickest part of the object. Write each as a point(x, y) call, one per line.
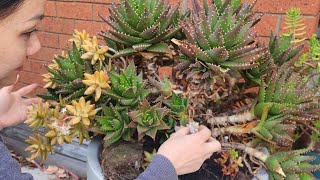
point(142, 26)
point(178, 106)
point(219, 35)
point(290, 164)
point(285, 93)
point(113, 123)
point(148, 119)
point(295, 25)
point(67, 75)
point(315, 48)
point(127, 87)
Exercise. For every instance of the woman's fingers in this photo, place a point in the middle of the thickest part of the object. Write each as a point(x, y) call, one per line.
point(203, 135)
point(6, 89)
point(181, 132)
point(26, 90)
point(31, 101)
point(212, 145)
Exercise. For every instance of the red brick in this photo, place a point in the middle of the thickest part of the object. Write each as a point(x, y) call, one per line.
point(58, 25)
point(50, 9)
point(266, 25)
point(311, 25)
point(63, 41)
point(27, 65)
point(106, 2)
point(165, 71)
point(74, 10)
point(48, 53)
point(308, 7)
point(38, 66)
point(101, 9)
point(49, 39)
point(93, 28)
point(30, 78)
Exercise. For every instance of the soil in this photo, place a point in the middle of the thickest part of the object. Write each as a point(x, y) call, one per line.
point(123, 160)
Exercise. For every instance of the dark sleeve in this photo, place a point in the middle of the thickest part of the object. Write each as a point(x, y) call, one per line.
point(160, 168)
point(9, 167)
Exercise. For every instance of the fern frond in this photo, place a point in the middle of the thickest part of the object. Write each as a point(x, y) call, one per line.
point(295, 25)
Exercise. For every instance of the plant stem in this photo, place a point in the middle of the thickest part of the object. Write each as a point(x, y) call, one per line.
point(215, 132)
point(249, 150)
point(233, 119)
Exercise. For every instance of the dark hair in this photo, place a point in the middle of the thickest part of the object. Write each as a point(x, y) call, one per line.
point(7, 7)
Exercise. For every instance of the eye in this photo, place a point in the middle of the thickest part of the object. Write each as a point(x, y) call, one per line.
point(29, 33)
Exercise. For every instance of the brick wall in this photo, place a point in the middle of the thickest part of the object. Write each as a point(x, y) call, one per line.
point(62, 17)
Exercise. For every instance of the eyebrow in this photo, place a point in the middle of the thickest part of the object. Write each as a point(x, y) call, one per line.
point(37, 17)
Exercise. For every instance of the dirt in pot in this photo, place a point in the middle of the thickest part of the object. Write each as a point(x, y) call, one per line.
point(122, 160)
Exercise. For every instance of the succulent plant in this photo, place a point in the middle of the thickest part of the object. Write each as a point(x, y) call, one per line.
point(127, 88)
point(178, 106)
point(39, 115)
point(142, 26)
point(38, 147)
point(295, 26)
point(286, 93)
point(79, 38)
point(219, 36)
point(96, 82)
point(82, 112)
point(275, 130)
point(164, 86)
point(114, 123)
point(148, 119)
point(148, 157)
point(291, 165)
point(59, 132)
point(93, 52)
point(65, 76)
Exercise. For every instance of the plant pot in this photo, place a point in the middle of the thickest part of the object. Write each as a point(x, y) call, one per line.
point(94, 170)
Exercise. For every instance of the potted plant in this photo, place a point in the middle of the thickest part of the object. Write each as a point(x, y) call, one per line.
point(252, 96)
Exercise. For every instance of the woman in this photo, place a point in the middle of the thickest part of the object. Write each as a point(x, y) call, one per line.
point(182, 153)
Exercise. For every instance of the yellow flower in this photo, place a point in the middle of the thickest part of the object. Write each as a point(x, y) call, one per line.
point(55, 65)
point(48, 79)
point(79, 38)
point(96, 82)
point(82, 111)
point(93, 52)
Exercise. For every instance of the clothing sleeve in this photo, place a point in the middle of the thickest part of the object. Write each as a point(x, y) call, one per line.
point(9, 167)
point(160, 168)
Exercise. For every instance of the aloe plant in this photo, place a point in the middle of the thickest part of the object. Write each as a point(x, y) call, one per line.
point(114, 123)
point(127, 88)
point(219, 35)
point(142, 26)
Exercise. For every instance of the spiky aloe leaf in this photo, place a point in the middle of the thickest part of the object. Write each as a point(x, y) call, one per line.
point(141, 25)
point(286, 93)
point(114, 123)
point(127, 87)
point(178, 106)
point(284, 164)
point(220, 34)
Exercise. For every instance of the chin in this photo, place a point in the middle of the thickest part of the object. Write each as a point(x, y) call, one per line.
point(9, 80)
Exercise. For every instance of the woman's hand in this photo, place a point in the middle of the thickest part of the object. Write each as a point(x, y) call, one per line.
point(186, 151)
point(13, 108)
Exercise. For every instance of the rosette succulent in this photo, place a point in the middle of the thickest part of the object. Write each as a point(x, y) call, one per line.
point(114, 123)
point(219, 36)
point(148, 119)
point(142, 26)
point(127, 87)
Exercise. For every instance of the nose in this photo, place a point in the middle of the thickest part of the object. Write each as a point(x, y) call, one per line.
point(33, 45)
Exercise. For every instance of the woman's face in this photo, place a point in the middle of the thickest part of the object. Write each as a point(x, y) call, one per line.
point(18, 39)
